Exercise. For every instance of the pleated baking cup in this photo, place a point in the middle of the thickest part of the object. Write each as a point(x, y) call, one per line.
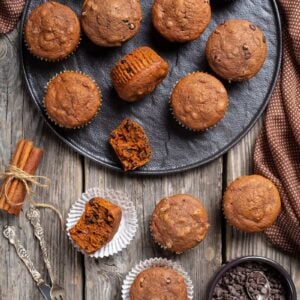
point(156, 262)
point(128, 225)
point(46, 89)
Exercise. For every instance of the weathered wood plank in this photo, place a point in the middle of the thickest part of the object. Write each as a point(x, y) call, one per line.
point(19, 118)
point(104, 278)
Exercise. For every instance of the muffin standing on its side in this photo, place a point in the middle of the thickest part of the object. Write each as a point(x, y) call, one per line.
point(179, 223)
point(110, 23)
point(158, 283)
point(251, 203)
point(138, 73)
point(97, 226)
point(236, 50)
point(199, 101)
point(72, 99)
point(52, 31)
point(131, 145)
point(181, 21)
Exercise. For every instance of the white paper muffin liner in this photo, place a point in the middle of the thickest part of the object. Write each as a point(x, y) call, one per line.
point(128, 224)
point(155, 262)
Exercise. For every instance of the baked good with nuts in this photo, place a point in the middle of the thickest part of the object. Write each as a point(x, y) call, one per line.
point(97, 225)
point(179, 223)
point(251, 203)
point(199, 101)
point(110, 23)
point(52, 31)
point(159, 283)
point(131, 145)
point(236, 50)
point(138, 73)
point(181, 21)
point(72, 99)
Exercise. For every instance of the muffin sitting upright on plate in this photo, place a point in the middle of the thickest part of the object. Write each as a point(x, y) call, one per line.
point(236, 50)
point(181, 21)
point(72, 99)
point(52, 31)
point(109, 23)
point(138, 73)
point(199, 101)
point(179, 223)
point(251, 203)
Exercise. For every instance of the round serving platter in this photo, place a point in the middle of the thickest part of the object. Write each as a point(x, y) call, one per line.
point(174, 148)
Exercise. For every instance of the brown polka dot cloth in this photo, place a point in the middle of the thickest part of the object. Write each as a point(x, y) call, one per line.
point(277, 150)
point(10, 12)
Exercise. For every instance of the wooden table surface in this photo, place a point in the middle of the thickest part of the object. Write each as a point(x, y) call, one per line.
point(71, 174)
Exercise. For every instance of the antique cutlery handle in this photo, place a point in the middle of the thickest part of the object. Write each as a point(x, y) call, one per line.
point(34, 217)
point(10, 233)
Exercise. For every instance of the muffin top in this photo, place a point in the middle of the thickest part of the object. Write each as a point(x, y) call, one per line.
point(179, 223)
point(109, 23)
point(138, 73)
point(199, 101)
point(251, 203)
point(181, 21)
point(236, 50)
point(158, 283)
point(72, 99)
point(52, 31)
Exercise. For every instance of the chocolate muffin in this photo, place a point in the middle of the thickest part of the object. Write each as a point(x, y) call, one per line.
point(72, 99)
point(181, 21)
point(251, 203)
point(97, 225)
point(158, 283)
point(138, 73)
point(131, 145)
point(236, 50)
point(110, 23)
point(199, 101)
point(179, 223)
point(52, 31)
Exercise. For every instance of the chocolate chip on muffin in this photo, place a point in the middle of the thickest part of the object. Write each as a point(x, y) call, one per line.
point(199, 101)
point(236, 50)
point(179, 223)
point(110, 23)
point(52, 31)
point(251, 203)
point(159, 283)
point(181, 21)
point(138, 73)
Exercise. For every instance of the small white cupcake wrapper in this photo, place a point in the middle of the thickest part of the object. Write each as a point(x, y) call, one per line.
point(128, 224)
point(155, 262)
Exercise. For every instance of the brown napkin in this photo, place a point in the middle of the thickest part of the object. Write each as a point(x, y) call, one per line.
point(10, 12)
point(277, 150)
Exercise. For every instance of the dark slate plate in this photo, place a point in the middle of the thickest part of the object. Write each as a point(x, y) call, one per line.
point(174, 148)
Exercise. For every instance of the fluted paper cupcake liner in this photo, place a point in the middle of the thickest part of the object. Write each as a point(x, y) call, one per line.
point(128, 224)
point(155, 262)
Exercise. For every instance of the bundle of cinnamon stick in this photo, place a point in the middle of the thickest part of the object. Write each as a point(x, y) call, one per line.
point(13, 191)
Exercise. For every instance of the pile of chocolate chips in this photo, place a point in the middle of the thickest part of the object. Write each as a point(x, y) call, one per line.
point(233, 284)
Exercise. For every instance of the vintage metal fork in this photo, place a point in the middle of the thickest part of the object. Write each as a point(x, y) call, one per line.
point(33, 215)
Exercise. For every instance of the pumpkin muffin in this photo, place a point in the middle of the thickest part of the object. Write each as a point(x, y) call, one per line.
point(131, 145)
point(109, 23)
point(251, 203)
point(199, 101)
point(179, 223)
point(159, 283)
point(138, 73)
point(52, 31)
point(72, 99)
point(181, 21)
point(236, 50)
point(97, 226)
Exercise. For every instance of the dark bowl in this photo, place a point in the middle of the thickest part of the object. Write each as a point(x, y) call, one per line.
point(288, 282)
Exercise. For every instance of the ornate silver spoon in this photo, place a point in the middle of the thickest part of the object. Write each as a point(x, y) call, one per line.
point(258, 286)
